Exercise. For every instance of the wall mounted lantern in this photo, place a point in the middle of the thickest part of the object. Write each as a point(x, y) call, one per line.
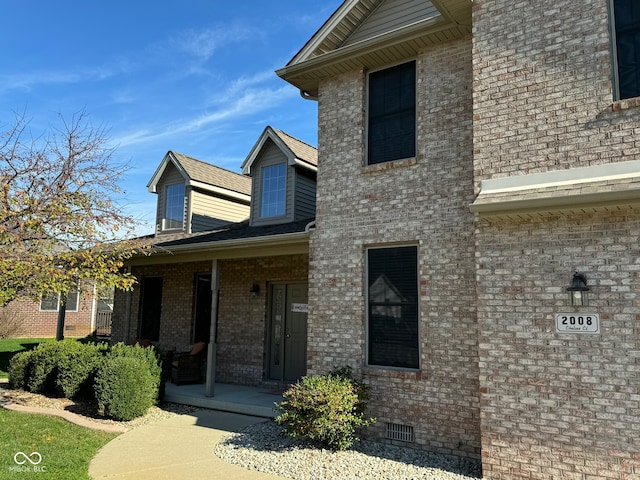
point(578, 291)
point(255, 290)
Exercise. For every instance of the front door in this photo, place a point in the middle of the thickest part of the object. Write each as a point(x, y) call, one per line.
point(288, 331)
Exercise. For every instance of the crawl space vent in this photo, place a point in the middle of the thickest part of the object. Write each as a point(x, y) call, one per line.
point(402, 433)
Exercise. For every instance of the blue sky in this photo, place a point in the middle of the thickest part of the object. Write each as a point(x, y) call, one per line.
point(195, 76)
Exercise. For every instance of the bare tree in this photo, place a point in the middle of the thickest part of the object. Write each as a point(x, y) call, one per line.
point(59, 222)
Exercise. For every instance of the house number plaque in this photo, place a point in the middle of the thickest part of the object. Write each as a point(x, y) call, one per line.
point(588, 323)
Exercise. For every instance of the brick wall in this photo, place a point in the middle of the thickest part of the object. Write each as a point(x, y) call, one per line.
point(242, 322)
point(241, 316)
point(554, 405)
point(425, 201)
point(34, 323)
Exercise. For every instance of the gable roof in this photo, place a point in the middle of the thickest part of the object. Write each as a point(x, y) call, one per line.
point(206, 176)
point(297, 152)
point(342, 44)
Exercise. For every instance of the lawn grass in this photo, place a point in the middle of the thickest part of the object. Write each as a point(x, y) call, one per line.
point(66, 449)
point(11, 346)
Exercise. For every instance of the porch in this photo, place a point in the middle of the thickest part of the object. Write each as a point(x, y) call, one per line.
point(256, 401)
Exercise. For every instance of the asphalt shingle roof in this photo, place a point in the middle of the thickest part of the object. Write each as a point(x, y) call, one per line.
point(204, 172)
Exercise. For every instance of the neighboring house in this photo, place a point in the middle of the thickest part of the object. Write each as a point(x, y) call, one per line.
point(27, 318)
point(464, 175)
point(249, 276)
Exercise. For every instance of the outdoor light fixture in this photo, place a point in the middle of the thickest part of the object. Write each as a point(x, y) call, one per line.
point(578, 291)
point(255, 289)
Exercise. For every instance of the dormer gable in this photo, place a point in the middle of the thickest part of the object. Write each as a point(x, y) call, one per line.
point(283, 173)
point(374, 33)
point(196, 196)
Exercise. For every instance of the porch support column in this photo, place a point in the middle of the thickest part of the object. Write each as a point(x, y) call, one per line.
point(211, 352)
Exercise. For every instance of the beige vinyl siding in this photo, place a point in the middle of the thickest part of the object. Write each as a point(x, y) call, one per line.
point(392, 15)
point(171, 176)
point(272, 156)
point(305, 206)
point(209, 212)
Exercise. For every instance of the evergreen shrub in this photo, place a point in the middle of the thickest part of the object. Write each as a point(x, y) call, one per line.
point(125, 388)
point(326, 408)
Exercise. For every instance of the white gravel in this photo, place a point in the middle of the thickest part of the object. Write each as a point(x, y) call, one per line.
point(265, 448)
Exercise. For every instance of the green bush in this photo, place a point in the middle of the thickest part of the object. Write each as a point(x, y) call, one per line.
point(44, 366)
point(124, 388)
point(77, 369)
point(326, 408)
point(19, 369)
point(148, 355)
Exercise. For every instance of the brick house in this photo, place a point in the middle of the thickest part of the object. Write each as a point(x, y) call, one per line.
point(226, 270)
point(474, 155)
point(27, 318)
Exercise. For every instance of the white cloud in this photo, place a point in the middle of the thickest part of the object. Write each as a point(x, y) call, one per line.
point(202, 44)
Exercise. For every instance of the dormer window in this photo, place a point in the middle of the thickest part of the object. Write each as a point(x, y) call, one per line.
point(274, 187)
point(174, 207)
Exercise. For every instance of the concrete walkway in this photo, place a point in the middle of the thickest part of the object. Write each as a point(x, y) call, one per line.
point(176, 448)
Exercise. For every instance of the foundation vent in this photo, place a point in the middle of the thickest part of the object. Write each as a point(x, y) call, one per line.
point(402, 433)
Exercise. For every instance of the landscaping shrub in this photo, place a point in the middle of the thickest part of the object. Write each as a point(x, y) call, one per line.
point(148, 355)
point(77, 369)
point(126, 385)
point(19, 368)
point(44, 367)
point(326, 408)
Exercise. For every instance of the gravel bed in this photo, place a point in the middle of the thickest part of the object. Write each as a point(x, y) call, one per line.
point(265, 448)
point(88, 410)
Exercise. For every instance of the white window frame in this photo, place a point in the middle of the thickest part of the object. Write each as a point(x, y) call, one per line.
point(165, 217)
point(264, 215)
point(76, 293)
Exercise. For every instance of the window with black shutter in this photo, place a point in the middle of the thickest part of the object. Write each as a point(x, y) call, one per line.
point(392, 295)
point(627, 44)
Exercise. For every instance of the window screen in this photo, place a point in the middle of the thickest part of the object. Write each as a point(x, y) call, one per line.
point(627, 28)
point(392, 114)
point(393, 307)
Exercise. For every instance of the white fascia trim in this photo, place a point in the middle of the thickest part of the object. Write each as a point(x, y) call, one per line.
point(153, 183)
point(220, 191)
point(326, 29)
point(572, 176)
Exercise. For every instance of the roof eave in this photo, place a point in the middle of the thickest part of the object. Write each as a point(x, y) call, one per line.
point(306, 74)
point(271, 245)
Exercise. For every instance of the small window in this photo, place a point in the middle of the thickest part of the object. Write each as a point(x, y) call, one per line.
point(51, 303)
point(274, 188)
point(392, 296)
point(626, 15)
point(174, 207)
point(392, 114)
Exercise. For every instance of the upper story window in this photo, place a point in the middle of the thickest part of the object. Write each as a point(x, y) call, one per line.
point(274, 189)
point(626, 15)
point(174, 207)
point(392, 297)
point(392, 114)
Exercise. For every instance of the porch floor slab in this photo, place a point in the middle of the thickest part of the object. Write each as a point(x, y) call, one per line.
point(255, 401)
